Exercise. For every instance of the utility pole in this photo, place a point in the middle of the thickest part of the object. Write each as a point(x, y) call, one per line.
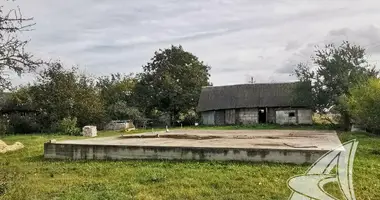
point(251, 81)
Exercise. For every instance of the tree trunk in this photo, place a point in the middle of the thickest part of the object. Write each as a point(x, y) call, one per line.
point(170, 119)
point(346, 121)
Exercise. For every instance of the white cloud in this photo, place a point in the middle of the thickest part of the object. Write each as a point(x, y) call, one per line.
point(238, 38)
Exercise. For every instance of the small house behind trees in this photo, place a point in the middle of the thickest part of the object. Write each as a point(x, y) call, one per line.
point(251, 104)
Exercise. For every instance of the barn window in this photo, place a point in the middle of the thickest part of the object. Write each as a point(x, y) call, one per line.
point(292, 114)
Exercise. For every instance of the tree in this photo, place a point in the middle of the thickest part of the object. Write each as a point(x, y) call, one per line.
point(171, 82)
point(336, 70)
point(116, 87)
point(120, 111)
point(364, 104)
point(12, 50)
point(60, 93)
point(116, 91)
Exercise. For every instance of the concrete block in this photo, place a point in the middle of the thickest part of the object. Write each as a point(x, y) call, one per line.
point(89, 131)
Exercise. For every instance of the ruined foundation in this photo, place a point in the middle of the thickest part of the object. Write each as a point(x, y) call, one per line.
point(283, 146)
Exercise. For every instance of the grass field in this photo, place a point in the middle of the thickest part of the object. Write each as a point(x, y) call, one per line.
point(26, 175)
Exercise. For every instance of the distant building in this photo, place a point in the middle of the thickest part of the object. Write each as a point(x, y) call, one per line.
point(251, 104)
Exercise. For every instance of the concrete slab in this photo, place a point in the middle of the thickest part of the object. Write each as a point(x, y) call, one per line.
point(285, 146)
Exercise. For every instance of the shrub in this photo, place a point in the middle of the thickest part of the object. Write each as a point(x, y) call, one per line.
point(68, 126)
point(19, 123)
point(364, 105)
point(189, 118)
point(3, 126)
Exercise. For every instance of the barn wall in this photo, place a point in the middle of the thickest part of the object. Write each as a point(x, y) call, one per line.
point(230, 116)
point(208, 118)
point(283, 116)
point(305, 116)
point(248, 115)
point(271, 115)
point(219, 117)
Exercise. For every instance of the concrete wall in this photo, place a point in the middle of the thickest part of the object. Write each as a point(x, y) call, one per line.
point(305, 116)
point(271, 115)
point(230, 116)
point(219, 117)
point(248, 116)
point(208, 118)
point(120, 152)
point(283, 117)
point(119, 125)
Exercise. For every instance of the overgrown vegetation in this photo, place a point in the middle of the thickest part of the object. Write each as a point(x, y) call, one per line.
point(338, 70)
point(364, 104)
point(26, 175)
point(60, 94)
point(68, 126)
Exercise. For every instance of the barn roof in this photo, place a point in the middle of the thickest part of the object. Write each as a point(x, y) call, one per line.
point(248, 96)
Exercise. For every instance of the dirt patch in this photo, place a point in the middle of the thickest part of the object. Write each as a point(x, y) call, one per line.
point(14, 147)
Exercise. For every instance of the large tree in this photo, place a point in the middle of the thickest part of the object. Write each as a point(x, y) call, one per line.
point(116, 91)
point(336, 69)
point(172, 81)
point(60, 93)
point(13, 56)
point(116, 87)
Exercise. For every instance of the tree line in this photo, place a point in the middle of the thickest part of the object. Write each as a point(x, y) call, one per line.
point(61, 99)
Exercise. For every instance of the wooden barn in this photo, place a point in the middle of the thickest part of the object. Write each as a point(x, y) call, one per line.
point(251, 104)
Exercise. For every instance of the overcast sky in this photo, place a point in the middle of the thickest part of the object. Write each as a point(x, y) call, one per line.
point(237, 38)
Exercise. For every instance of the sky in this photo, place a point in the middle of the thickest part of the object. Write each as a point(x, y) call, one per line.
point(239, 39)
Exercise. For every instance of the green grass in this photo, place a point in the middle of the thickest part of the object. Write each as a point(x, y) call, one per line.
point(26, 175)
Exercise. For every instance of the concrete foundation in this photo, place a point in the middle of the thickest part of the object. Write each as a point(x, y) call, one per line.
point(284, 146)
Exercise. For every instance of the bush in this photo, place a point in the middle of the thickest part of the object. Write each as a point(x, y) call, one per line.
point(19, 123)
point(3, 126)
point(68, 126)
point(364, 105)
point(189, 118)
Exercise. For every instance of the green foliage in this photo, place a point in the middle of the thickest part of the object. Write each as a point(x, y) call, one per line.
point(120, 111)
point(171, 82)
point(364, 104)
point(61, 93)
point(3, 126)
point(68, 126)
point(337, 70)
point(189, 118)
point(117, 87)
point(23, 123)
point(116, 91)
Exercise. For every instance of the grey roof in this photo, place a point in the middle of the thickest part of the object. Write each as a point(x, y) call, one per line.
point(248, 96)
